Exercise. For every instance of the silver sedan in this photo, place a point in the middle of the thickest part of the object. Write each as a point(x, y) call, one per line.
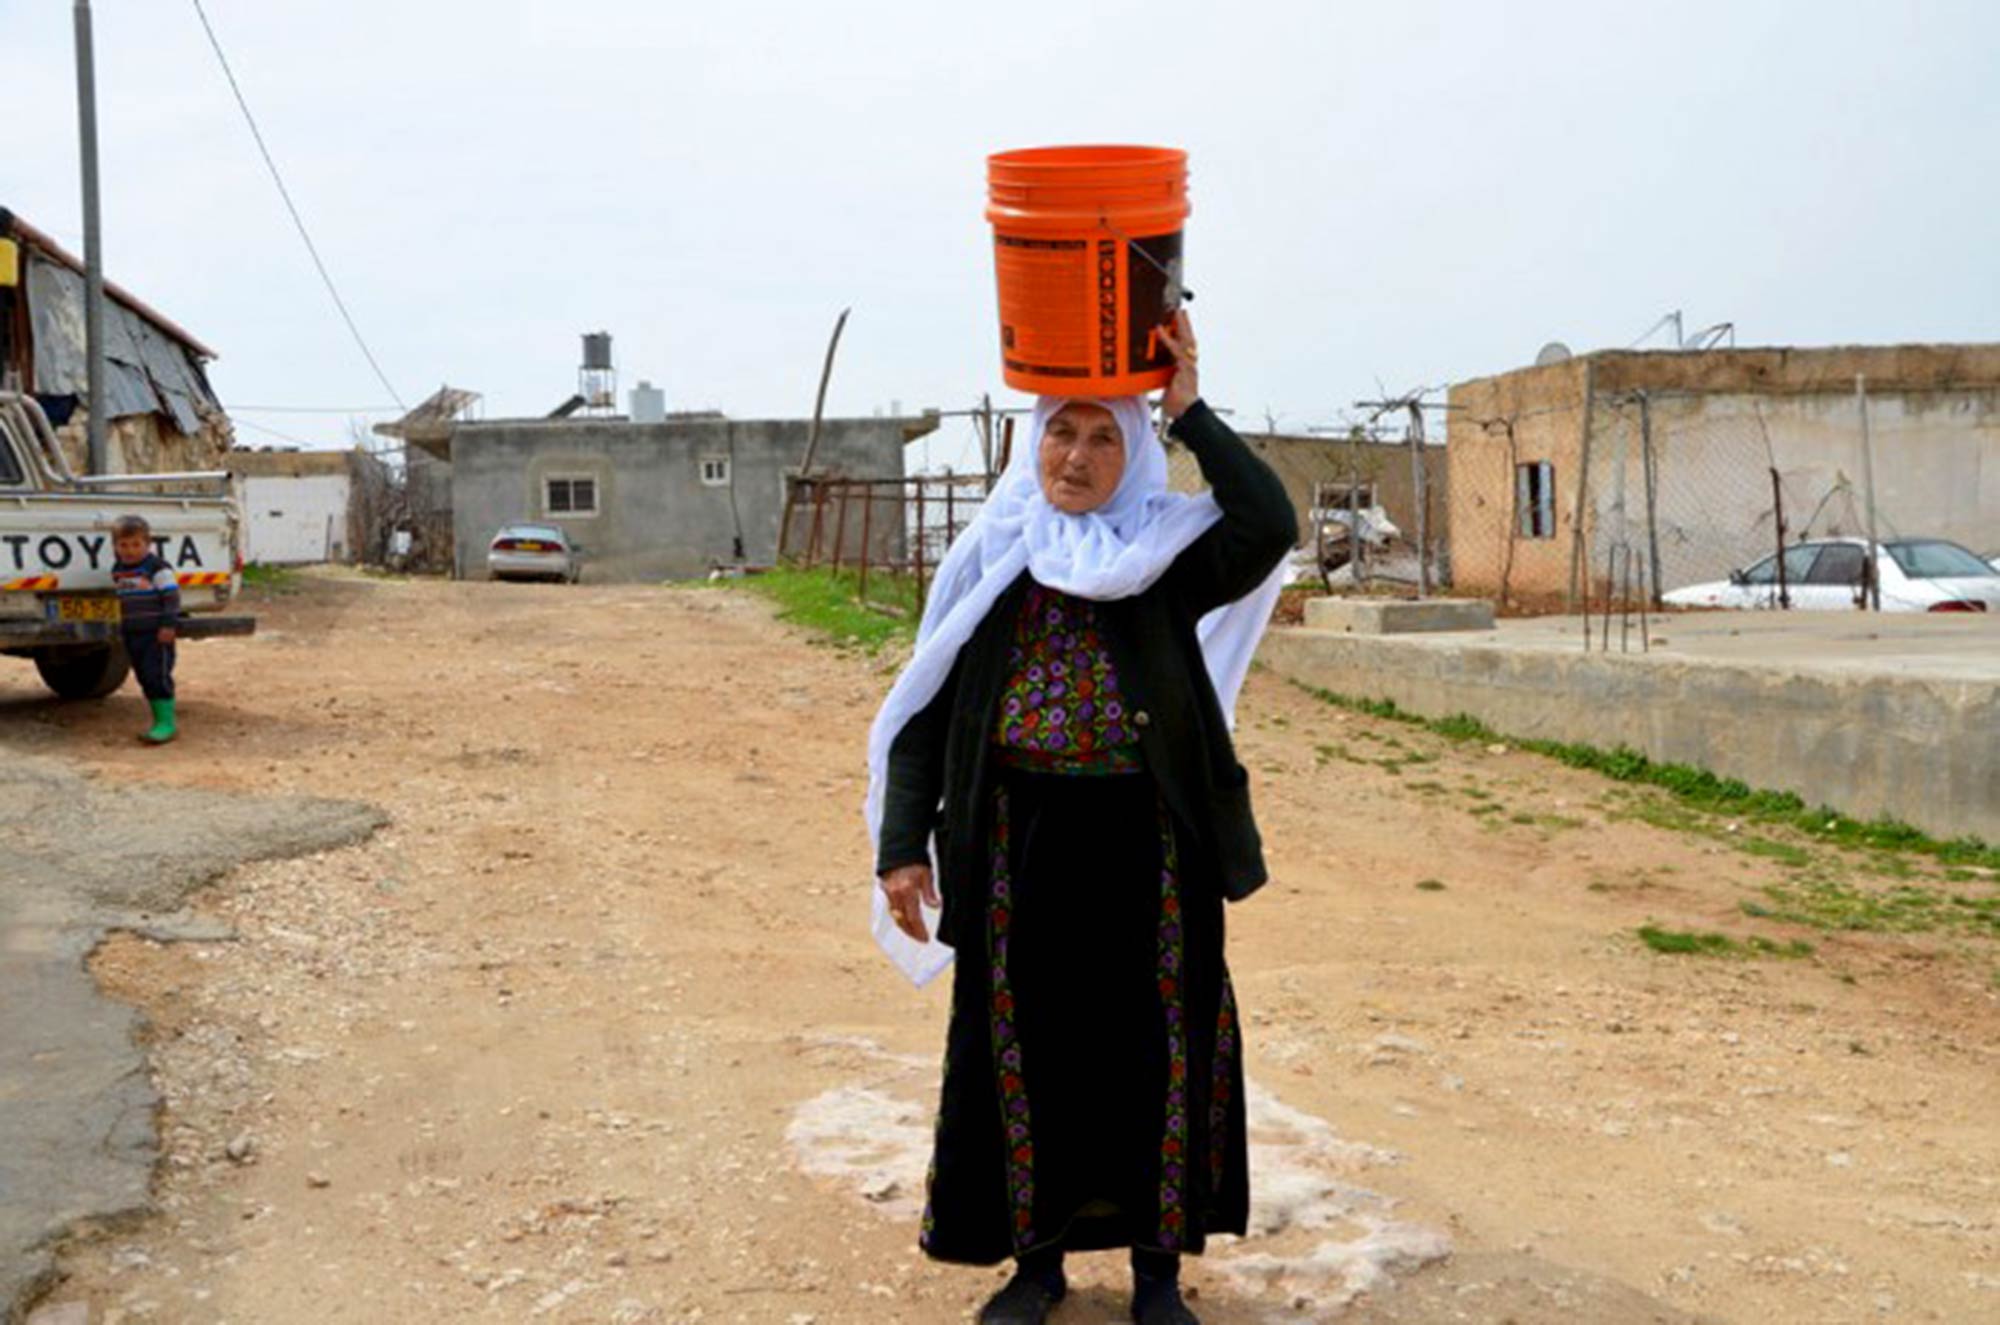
point(533, 552)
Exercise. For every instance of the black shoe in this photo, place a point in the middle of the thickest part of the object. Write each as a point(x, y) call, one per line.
point(1158, 1302)
point(1025, 1300)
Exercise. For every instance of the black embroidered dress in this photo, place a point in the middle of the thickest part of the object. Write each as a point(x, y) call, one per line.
point(1093, 1092)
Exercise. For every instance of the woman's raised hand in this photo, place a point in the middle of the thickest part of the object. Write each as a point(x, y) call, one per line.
point(1185, 388)
point(905, 886)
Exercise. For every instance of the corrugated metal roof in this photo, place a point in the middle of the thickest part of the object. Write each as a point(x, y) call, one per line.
point(33, 239)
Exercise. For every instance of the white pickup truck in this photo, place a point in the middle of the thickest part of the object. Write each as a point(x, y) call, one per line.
point(57, 604)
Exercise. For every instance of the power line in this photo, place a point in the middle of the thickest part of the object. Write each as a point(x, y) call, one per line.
point(291, 207)
point(319, 409)
point(273, 432)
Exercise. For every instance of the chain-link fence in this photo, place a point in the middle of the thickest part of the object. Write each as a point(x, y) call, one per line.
point(1563, 503)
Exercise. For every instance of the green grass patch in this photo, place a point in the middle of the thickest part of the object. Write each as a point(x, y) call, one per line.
point(271, 579)
point(1836, 904)
point(1700, 790)
point(1322, 754)
point(1691, 943)
point(829, 604)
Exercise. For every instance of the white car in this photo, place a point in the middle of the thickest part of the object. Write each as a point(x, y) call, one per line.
point(533, 552)
point(1829, 574)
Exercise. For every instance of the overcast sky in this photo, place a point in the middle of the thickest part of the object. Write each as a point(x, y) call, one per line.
point(1400, 193)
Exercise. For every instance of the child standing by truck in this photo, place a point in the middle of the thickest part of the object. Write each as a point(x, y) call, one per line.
point(149, 607)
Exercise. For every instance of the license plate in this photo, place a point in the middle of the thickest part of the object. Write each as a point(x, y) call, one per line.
point(531, 547)
point(86, 609)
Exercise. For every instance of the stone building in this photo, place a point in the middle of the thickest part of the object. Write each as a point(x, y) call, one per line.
point(162, 414)
point(1701, 462)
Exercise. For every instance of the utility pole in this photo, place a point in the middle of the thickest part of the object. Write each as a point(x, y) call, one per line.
point(93, 249)
point(1414, 404)
point(1421, 497)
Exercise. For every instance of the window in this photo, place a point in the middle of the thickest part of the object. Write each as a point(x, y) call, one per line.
point(1935, 559)
point(1839, 563)
point(1535, 500)
point(1798, 562)
point(715, 471)
point(569, 495)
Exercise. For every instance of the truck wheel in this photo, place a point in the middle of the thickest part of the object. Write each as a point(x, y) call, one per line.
point(88, 673)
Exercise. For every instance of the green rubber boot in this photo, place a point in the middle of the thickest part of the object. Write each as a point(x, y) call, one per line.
point(163, 729)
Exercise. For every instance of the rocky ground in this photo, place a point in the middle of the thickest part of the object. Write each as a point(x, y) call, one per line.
point(590, 1031)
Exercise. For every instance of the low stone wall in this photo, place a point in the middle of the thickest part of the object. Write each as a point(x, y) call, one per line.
point(1920, 749)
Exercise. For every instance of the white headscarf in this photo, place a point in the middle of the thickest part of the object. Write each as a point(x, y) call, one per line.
point(1116, 551)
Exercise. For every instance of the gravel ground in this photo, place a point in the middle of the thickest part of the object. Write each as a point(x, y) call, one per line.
point(591, 1031)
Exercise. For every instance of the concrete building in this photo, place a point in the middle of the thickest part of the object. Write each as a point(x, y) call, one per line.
point(162, 414)
point(301, 507)
point(1549, 464)
point(651, 501)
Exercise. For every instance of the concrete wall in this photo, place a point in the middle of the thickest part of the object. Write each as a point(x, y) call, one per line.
point(1918, 748)
point(656, 518)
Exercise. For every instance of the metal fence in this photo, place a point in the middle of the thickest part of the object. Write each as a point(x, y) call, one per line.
point(894, 527)
point(1618, 496)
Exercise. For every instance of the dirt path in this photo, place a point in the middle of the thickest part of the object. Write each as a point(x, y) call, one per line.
point(590, 1032)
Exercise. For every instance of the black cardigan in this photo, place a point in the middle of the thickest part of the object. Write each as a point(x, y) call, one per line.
point(939, 766)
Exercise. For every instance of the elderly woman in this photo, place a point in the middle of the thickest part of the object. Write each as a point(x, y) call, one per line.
point(1059, 748)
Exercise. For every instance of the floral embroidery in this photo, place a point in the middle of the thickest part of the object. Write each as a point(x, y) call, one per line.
point(1222, 1085)
point(1019, 1137)
point(1062, 710)
point(1174, 1143)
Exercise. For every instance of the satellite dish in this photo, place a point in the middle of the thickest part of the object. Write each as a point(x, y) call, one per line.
point(1553, 352)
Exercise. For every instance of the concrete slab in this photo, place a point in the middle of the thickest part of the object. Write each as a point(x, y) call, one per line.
point(1873, 715)
point(78, 858)
point(1398, 616)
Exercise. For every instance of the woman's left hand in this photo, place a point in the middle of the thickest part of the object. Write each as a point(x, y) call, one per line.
point(1185, 388)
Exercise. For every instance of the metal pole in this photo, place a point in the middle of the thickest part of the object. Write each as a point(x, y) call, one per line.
point(840, 527)
point(1579, 556)
point(985, 417)
point(1421, 497)
point(93, 248)
point(867, 529)
point(1874, 580)
point(1357, 568)
point(1646, 460)
point(920, 544)
point(1778, 509)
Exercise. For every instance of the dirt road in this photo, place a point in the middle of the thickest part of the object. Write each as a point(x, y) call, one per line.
point(591, 1033)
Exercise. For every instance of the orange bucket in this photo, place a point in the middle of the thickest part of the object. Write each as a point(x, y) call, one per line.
point(1087, 249)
